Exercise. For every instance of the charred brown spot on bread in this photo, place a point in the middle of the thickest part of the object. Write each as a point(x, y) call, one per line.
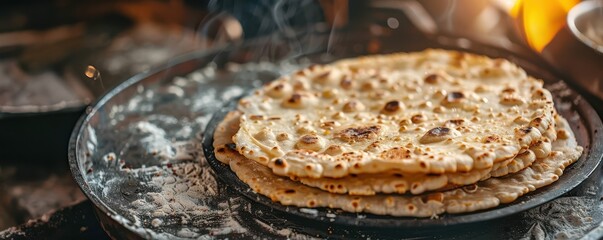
point(423, 164)
point(526, 130)
point(459, 56)
point(520, 120)
point(323, 76)
point(309, 139)
point(438, 134)
point(278, 87)
point(454, 122)
point(438, 109)
point(523, 153)
point(289, 191)
point(498, 62)
point(508, 90)
point(453, 99)
point(368, 85)
point(346, 83)
point(491, 139)
point(511, 100)
point(295, 98)
point(537, 143)
point(353, 106)
point(410, 207)
point(354, 134)
point(328, 124)
point(404, 122)
point(256, 117)
point(279, 162)
point(391, 107)
point(418, 118)
point(334, 150)
point(401, 187)
point(480, 89)
point(309, 142)
point(299, 85)
point(539, 94)
point(536, 122)
point(438, 131)
point(562, 134)
point(221, 150)
point(329, 93)
point(432, 78)
point(373, 146)
point(278, 90)
point(396, 153)
point(282, 136)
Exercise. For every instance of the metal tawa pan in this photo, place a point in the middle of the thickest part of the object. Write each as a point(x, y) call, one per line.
point(138, 152)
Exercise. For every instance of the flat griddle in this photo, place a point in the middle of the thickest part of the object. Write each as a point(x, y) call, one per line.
point(115, 156)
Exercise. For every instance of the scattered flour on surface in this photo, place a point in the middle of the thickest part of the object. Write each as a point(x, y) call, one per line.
point(564, 218)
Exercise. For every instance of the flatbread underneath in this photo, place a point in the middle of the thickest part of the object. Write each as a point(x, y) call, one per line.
point(483, 195)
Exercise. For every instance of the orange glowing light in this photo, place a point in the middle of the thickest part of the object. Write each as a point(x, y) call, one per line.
point(91, 72)
point(541, 20)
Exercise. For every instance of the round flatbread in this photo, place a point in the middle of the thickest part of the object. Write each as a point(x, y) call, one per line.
point(433, 112)
point(483, 195)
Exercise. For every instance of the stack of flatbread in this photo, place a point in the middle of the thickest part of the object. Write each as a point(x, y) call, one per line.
point(406, 134)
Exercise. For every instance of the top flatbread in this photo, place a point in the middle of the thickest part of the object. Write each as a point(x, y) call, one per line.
point(434, 111)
